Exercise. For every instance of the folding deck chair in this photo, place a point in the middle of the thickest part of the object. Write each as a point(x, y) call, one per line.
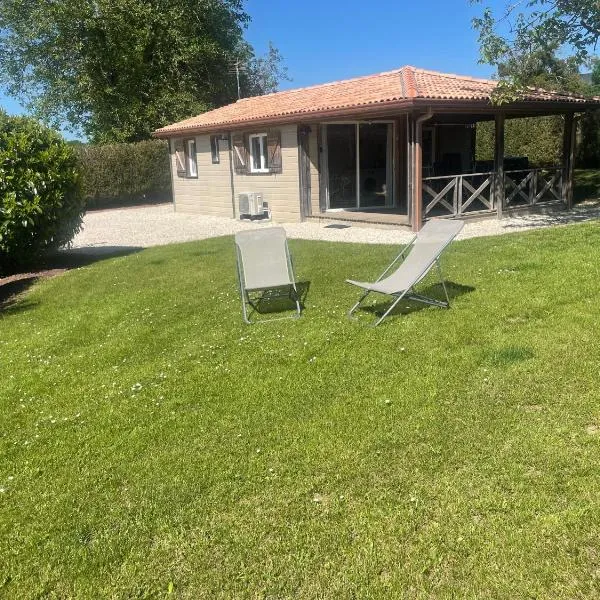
point(422, 253)
point(265, 265)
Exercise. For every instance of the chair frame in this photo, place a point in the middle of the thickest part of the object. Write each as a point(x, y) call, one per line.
point(408, 294)
point(247, 300)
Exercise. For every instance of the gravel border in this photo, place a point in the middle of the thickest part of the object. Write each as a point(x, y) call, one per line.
point(146, 226)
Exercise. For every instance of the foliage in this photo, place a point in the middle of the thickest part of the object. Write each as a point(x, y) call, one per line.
point(125, 173)
point(538, 138)
point(588, 148)
point(587, 185)
point(159, 443)
point(523, 45)
point(263, 74)
point(118, 69)
point(40, 201)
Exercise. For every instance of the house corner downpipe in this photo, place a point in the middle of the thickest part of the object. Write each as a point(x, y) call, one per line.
point(417, 221)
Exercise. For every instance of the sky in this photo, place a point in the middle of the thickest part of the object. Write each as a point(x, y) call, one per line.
point(328, 40)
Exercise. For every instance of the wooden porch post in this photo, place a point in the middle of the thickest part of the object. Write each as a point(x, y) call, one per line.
point(568, 159)
point(417, 221)
point(417, 213)
point(410, 171)
point(499, 164)
point(400, 162)
point(304, 132)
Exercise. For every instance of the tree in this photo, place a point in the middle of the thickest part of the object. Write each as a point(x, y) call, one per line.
point(118, 69)
point(524, 41)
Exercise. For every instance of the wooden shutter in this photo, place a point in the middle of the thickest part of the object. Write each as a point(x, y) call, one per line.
point(180, 158)
point(274, 151)
point(240, 154)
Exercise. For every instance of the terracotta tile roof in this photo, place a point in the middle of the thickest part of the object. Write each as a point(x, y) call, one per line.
point(401, 87)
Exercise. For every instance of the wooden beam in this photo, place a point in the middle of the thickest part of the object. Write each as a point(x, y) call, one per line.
point(323, 167)
point(568, 159)
point(304, 132)
point(499, 164)
point(400, 163)
point(417, 199)
point(417, 221)
point(410, 171)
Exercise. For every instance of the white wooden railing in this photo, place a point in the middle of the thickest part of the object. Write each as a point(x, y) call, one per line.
point(456, 195)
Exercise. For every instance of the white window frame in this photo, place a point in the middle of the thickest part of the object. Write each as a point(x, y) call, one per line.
point(191, 158)
point(263, 166)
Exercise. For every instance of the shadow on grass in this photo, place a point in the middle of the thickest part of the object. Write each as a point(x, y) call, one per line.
point(82, 257)
point(506, 356)
point(586, 191)
point(14, 287)
point(278, 300)
point(406, 307)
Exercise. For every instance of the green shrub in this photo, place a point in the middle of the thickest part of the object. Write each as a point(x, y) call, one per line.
point(40, 199)
point(588, 148)
point(538, 138)
point(120, 174)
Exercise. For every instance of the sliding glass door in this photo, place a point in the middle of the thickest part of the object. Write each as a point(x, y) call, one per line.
point(341, 159)
point(359, 165)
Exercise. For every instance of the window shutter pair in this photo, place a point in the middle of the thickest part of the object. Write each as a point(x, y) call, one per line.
point(241, 155)
point(180, 158)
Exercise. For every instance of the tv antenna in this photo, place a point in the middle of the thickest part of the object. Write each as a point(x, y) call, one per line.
point(238, 67)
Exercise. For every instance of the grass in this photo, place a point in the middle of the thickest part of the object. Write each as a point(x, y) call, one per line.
point(586, 185)
point(153, 446)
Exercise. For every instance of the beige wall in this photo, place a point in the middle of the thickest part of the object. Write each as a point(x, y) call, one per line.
point(210, 193)
point(282, 190)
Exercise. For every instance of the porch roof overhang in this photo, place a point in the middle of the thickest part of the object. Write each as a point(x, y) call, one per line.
point(388, 94)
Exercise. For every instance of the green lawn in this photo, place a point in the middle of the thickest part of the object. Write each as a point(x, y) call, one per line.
point(587, 184)
point(153, 446)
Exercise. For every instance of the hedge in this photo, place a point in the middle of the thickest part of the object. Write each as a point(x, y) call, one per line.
point(41, 207)
point(122, 174)
point(588, 149)
point(538, 138)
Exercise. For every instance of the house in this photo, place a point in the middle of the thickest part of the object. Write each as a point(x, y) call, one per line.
point(399, 144)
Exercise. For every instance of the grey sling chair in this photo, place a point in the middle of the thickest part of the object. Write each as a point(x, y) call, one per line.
point(265, 265)
point(422, 253)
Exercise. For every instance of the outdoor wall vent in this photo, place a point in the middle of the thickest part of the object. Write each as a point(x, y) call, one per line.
point(251, 204)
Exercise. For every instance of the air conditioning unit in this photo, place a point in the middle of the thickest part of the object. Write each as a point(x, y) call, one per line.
point(251, 204)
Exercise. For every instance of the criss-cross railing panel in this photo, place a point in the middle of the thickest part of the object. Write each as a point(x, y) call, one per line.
point(548, 185)
point(455, 195)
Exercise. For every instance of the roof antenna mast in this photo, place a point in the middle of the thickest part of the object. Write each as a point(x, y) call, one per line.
point(237, 75)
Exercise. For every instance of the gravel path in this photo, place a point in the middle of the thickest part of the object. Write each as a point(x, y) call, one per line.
point(157, 225)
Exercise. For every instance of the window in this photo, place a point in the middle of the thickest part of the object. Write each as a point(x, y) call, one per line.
point(258, 153)
point(214, 149)
point(191, 164)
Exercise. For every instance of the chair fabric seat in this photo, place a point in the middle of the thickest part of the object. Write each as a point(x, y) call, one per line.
point(264, 264)
point(264, 258)
point(423, 253)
